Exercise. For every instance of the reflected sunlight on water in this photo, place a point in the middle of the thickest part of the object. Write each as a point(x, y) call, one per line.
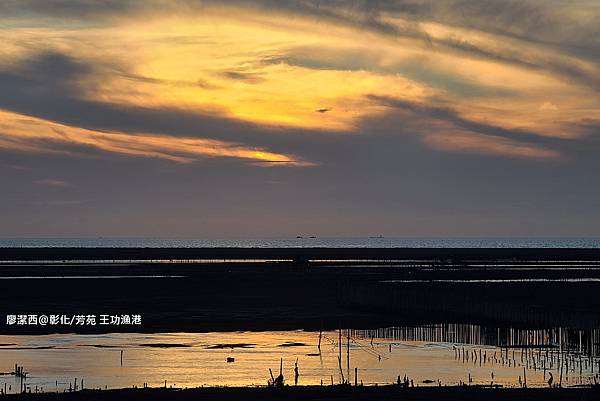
point(197, 359)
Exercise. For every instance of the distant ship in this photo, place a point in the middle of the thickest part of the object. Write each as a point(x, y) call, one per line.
point(379, 236)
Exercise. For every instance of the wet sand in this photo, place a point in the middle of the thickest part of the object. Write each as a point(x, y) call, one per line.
point(429, 355)
point(323, 393)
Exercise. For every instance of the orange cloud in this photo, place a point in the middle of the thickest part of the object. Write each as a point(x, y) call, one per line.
point(30, 134)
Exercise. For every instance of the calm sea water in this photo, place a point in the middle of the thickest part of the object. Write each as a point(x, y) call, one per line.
point(368, 242)
point(448, 353)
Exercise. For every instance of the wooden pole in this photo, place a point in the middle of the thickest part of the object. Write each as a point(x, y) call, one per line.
point(348, 355)
point(340, 344)
point(561, 373)
point(319, 345)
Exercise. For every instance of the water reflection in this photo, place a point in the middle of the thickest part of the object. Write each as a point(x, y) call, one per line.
point(431, 355)
point(585, 342)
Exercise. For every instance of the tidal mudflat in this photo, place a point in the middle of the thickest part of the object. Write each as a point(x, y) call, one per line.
point(436, 355)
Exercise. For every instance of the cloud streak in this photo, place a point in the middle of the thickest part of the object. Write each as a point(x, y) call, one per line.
point(37, 135)
point(50, 182)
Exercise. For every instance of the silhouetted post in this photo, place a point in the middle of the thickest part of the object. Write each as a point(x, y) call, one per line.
point(340, 345)
point(561, 374)
point(296, 374)
point(121, 357)
point(348, 356)
point(319, 345)
point(355, 377)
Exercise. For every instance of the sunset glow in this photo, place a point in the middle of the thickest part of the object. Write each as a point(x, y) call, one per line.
point(279, 70)
point(327, 89)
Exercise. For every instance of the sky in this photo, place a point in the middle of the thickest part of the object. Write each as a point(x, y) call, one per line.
point(277, 118)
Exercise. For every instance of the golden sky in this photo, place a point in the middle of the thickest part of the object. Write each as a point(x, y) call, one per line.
point(416, 117)
point(461, 86)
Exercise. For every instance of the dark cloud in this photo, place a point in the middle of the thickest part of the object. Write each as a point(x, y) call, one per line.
point(46, 72)
point(54, 66)
point(249, 77)
point(68, 9)
point(124, 73)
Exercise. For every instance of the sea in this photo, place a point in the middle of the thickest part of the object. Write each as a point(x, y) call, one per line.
point(307, 242)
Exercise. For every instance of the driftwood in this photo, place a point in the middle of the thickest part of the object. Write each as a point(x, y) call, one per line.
point(279, 380)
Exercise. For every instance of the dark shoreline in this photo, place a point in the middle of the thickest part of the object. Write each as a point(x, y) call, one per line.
point(499, 287)
point(302, 254)
point(323, 393)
